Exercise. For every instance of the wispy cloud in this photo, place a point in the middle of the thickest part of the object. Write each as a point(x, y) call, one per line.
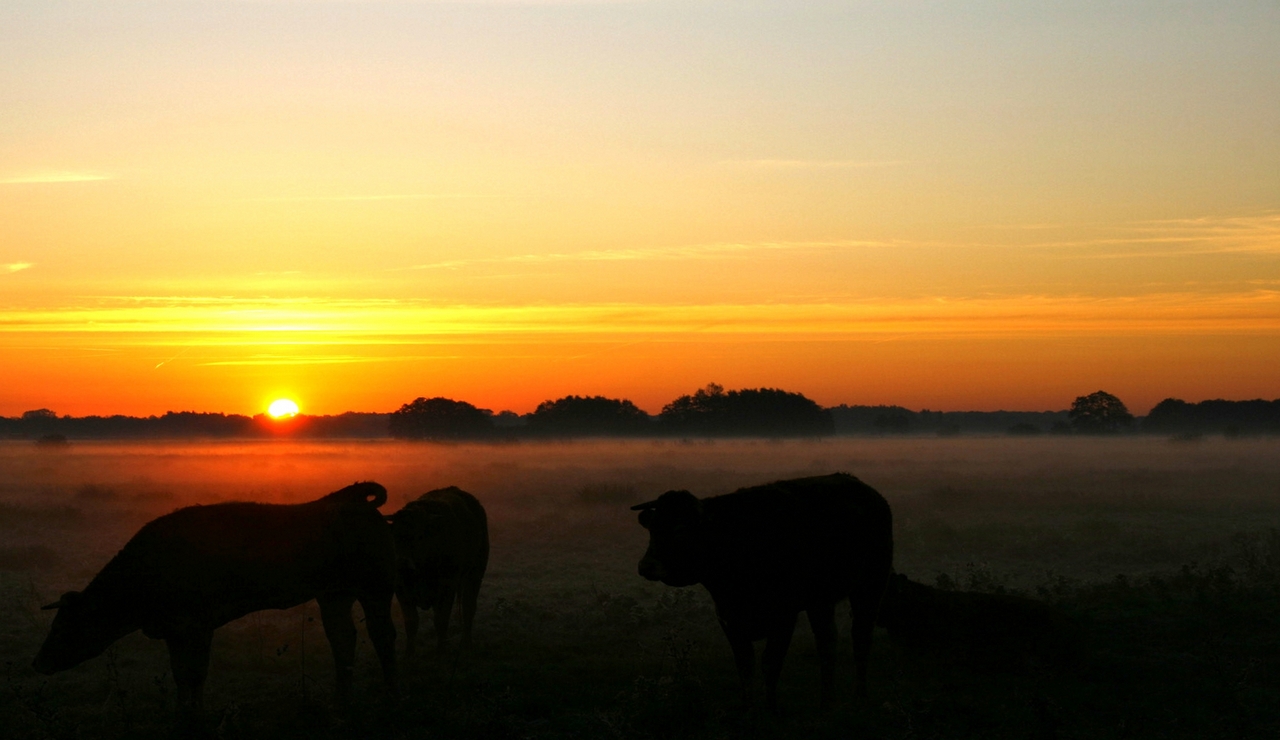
point(42, 178)
point(433, 2)
point(814, 164)
point(272, 324)
point(296, 360)
point(680, 252)
point(1256, 234)
point(16, 266)
point(384, 196)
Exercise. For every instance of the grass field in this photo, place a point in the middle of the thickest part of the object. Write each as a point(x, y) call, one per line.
point(1166, 554)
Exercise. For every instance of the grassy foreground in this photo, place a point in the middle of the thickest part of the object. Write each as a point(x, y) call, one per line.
point(1165, 555)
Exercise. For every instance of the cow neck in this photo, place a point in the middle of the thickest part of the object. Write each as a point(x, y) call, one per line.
point(119, 589)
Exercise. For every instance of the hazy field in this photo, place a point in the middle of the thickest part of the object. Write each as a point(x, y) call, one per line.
point(1163, 551)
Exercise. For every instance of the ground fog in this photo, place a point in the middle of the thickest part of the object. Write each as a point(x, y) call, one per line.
point(1165, 553)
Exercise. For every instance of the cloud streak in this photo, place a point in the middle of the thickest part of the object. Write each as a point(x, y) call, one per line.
point(359, 198)
point(682, 252)
point(814, 164)
point(13, 267)
point(213, 321)
point(52, 178)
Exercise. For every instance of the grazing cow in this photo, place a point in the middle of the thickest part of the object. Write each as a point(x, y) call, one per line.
point(442, 544)
point(992, 631)
point(770, 552)
point(189, 572)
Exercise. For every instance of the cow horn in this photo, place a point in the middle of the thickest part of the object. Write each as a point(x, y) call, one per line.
point(55, 605)
point(645, 505)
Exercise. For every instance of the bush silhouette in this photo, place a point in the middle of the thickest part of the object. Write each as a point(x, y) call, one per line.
point(440, 418)
point(765, 411)
point(1099, 413)
point(594, 415)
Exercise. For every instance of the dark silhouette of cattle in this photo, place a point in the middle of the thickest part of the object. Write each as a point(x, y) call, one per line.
point(770, 552)
point(442, 544)
point(1001, 632)
point(189, 572)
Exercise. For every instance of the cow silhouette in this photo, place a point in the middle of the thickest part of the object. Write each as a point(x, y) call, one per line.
point(1000, 632)
point(767, 553)
point(187, 573)
point(442, 545)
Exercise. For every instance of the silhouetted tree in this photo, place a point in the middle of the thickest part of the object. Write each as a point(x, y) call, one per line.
point(1099, 413)
point(582, 415)
point(751, 411)
point(893, 423)
point(440, 418)
point(1173, 415)
point(509, 420)
point(39, 415)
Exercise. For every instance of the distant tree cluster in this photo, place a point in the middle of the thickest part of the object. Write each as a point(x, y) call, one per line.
point(709, 411)
point(440, 418)
point(1175, 416)
point(895, 420)
point(577, 416)
point(712, 411)
point(1099, 413)
point(41, 423)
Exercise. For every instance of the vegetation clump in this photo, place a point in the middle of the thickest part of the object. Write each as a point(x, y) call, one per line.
point(579, 416)
point(1099, 413)
point(440, 418)
point(748, 412)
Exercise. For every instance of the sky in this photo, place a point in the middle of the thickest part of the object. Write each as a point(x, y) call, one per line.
point(209, 204)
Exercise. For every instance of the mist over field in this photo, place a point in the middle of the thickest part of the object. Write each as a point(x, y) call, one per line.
point(1135, 538)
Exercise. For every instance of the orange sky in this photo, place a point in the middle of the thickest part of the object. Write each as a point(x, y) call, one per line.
point(208, 205)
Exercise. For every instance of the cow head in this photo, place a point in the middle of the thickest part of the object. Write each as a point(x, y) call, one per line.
point(423, 538)
point(79, 632)
point(674, 522)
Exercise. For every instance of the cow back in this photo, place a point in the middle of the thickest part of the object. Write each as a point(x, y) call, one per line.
point(220, 562)
point(442, 537)
point(794, 543)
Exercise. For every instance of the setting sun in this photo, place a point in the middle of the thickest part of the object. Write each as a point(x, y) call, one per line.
point(282, 409)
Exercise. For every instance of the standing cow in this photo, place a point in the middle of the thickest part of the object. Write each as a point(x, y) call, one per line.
point(770, 552)
point(442, 542)
point(187, 573)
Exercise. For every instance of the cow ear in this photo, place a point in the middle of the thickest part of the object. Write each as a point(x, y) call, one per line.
point(646, 518)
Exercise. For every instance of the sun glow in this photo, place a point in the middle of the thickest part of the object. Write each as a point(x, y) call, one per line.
point(282, 409)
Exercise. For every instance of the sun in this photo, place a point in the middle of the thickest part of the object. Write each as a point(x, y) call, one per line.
point(282, 409)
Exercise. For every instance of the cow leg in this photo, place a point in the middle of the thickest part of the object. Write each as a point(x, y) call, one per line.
point(744, 655)
point(335, 615)
point(443, 610)
point(823, 621)
point(470, 591)
point(864, 622)
point(382, 633)
point(189, 660)
point(410, 613)
point(775, 649)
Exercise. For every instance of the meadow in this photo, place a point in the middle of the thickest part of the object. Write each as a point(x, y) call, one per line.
point(1165, 553)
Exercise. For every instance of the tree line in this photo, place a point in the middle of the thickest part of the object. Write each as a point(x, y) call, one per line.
point(711, 411)
point(708, 412)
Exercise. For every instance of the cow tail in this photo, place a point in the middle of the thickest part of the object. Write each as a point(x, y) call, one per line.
point(366, 492)
point(377, 498)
